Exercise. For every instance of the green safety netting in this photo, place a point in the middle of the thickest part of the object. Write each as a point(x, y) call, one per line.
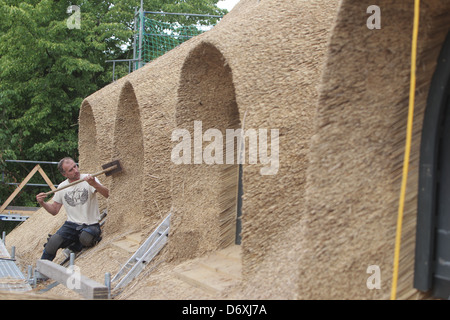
point(160, 37)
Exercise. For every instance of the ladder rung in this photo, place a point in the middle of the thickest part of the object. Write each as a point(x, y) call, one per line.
point(133, 265)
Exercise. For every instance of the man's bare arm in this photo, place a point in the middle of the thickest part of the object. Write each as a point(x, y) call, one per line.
point(98, 186)
point(52, 208)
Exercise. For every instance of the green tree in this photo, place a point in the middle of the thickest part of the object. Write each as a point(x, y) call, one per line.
point(47, 69)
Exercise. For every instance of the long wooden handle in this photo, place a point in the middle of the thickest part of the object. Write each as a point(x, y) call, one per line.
point(81, 180)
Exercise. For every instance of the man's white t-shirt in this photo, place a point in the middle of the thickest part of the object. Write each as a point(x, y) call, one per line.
point(80, 202)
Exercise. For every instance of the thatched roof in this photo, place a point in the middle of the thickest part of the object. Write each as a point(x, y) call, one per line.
point(338, 94)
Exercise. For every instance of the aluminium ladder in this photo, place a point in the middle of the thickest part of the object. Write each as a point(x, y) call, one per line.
point(11, 278)
point(146, 252)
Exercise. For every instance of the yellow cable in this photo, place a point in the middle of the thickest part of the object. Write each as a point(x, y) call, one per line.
point(407, 148)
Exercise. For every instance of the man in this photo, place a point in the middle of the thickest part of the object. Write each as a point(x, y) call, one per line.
point(82, 228)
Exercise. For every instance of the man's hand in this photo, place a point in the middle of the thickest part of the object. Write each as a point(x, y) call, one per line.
point(98, 186)
point(41, 197)
point(91, 180)
point(52, 208)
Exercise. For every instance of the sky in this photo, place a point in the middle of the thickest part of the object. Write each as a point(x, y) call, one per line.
point(227, 4)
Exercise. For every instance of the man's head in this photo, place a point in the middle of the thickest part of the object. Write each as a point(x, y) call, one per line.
point(69, 169)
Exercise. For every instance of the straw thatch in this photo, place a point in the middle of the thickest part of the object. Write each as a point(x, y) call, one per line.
point(204, 203)
point(125, 208)
point(338, 94)
point(356, 155)
point(30, 236)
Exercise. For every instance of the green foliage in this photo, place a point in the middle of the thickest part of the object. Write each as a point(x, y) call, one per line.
point(47, 69)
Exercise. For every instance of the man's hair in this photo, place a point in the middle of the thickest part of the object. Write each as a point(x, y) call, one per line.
point(61, 162)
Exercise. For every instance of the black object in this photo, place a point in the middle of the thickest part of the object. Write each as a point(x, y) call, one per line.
point(432, 256)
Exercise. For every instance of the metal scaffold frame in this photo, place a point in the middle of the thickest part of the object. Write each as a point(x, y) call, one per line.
point(139, 59)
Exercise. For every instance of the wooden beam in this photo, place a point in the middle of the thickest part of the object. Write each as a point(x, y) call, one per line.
point(86, 287)
point(25, 211)
point(19, 187)
point(24, 182)
point(21, 212)
point(46, 178)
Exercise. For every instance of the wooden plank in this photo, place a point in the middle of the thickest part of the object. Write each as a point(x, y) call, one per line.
point(232, 252)
point(25, 211)
point(46, 178)
point(213, 273)
point(86, 287)
point(204, 278)
point(37, 168)
point(19, 212)
point(124, 244)
point(226, 266)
